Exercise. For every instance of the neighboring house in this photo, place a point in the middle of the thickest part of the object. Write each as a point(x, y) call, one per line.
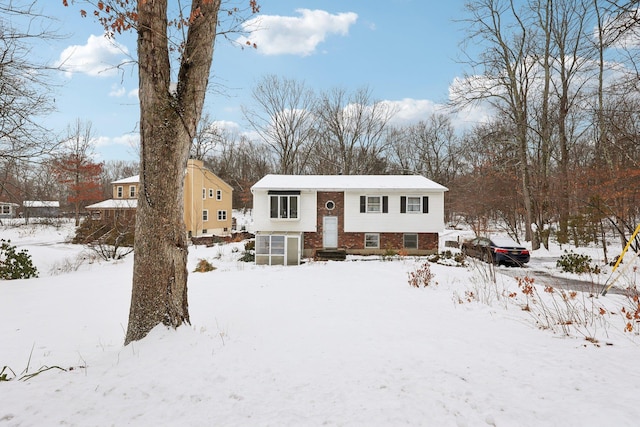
point(8, 210)
point(302, 215)
point(207, 201)
point(41, 208)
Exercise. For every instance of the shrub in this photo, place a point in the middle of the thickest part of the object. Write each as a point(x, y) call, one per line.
point(248, 256)
point(13, 264)
point(421, 276)
point(203, 266)
point(576, 263)
point(249, 252)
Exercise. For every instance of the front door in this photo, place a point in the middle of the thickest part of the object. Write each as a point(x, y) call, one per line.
point(330, 232)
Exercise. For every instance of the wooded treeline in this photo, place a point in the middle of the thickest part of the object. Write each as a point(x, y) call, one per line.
point(560, 155)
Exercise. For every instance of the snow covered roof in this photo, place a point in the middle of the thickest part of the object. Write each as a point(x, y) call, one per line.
point(129, 180)
point(41, 204)
point(346, 182)
point(115, 204)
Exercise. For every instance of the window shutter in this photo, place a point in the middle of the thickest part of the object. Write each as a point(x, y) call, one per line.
point(385, 204)
point(403, 204)
point(425, 204)
point(363, 204)
point(273, 207)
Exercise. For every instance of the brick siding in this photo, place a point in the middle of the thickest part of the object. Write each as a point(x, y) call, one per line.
point(354, 242)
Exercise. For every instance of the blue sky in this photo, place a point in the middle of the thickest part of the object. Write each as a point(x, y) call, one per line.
point(405, 51)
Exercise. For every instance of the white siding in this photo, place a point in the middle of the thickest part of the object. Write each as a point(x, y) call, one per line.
point(394, 221)
point(308, 215)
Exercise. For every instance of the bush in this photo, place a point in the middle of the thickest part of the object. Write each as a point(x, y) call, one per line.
point(203, 266)
point(421, 277)
point(15, 265)
point(576, 263)
point(448, 257)
point(249, 252)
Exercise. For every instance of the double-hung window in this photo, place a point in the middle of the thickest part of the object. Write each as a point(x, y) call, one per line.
point(414, 204)
point(222, 215)
point(132, 191)
point(284, 206)
point(374, 204)
point(410, 241)
point(119, 191)
point(218, 194)
point(205, 215)
point(372, 241)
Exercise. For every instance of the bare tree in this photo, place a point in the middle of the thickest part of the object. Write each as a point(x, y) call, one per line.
point(353, 131)
point(207, 138)
point(429, 147)
point(24, 83)
point(284, 120)
point(169, 116)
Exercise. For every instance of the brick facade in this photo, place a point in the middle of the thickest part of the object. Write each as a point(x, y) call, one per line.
point(354, 242)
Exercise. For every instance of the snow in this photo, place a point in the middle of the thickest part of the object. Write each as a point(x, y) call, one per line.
point(323, 343)
point(346, 182)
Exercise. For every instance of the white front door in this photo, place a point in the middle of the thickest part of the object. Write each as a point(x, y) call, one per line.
point(330, 232)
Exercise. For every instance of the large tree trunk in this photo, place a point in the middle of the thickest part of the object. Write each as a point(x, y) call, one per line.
point(168, 123)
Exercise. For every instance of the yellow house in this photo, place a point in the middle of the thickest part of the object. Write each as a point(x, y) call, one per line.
point(207, 201)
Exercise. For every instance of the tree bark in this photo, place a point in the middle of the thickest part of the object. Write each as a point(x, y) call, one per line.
point(168, 122)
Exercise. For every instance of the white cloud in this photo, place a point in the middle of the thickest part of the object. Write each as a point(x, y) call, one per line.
point(117, 91)
point(98, 57)
point(410, 110)
point(128, 140)
point(277, 35)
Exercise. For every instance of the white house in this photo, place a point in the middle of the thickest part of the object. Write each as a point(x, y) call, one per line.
point(307, 215)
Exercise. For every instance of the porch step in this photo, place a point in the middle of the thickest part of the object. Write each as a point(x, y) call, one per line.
point(331, 255)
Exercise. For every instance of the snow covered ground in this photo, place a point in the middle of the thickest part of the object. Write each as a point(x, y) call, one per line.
point(321, 344)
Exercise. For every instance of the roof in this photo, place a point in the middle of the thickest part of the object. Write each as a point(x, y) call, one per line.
point(115, 204)
point(346, 182)
point(129, 180)
point(41, 204)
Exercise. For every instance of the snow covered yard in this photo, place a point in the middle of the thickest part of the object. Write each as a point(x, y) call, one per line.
point(324, 343)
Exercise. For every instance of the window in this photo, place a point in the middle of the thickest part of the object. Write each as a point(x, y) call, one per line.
point(414, 204)
point(372, 241)
point(205, 215)
point(132, 191)
point(222, 215)
point(270, 250)
point(410, 241)
point(330, 205)
point(218, 194)
point(204, 193)
point(374, 204)
point(119, 191)
point(284, 206)
point(211, 193)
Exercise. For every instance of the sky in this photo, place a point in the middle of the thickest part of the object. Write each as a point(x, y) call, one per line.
point(405, 51)
point(319, 344)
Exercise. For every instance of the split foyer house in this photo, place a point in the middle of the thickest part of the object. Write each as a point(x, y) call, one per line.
point(302, 215)
point(207, 201)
